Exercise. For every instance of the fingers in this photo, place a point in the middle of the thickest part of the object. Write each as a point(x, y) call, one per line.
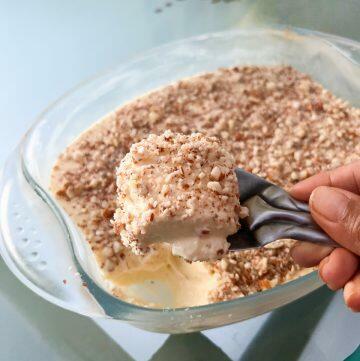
point(337, 212)
point(334, 198)
point(346, 177)
point(338, 268)
point(352, 293)
point(309, 254)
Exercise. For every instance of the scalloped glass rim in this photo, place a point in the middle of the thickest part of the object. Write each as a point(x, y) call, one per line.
point(113, 307)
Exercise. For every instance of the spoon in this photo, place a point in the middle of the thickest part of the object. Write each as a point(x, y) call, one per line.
point(273, 215)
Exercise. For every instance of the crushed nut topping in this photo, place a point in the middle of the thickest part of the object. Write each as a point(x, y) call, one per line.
point(275, 121)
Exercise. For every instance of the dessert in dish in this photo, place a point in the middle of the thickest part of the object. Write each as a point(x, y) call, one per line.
point(180, 190)
point(275, 121)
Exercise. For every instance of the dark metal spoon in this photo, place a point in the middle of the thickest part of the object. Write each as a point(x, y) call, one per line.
point(273, 215)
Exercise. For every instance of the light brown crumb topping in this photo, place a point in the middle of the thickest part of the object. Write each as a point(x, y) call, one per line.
point(275, 121)
point(250, 271)
point(175, 184)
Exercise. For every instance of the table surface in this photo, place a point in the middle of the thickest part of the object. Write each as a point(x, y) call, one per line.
point(48, 47)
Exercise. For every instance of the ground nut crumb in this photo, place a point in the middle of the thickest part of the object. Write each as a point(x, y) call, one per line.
point(244, 212)
point(214, 186)
point(215, 173)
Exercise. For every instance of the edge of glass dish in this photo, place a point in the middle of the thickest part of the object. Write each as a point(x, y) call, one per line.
point(124, 307)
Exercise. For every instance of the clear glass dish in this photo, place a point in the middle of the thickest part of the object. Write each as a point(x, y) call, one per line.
point(42, 246)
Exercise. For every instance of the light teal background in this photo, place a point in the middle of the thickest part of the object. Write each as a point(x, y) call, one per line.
point(46, 47)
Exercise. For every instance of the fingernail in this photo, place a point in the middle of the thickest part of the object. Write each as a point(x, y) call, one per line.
point(352, 300)
point(326, 274)
point(329, 202)
point(321, 268)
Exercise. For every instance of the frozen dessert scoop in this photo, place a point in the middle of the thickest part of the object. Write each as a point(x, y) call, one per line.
point(181, 190)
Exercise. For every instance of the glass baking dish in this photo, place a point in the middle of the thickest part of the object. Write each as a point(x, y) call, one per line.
point(42, 246)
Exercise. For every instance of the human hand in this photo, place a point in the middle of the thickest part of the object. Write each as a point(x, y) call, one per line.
point(334, 200)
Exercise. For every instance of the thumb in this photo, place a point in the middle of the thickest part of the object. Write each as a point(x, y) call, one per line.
point(337, 212)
